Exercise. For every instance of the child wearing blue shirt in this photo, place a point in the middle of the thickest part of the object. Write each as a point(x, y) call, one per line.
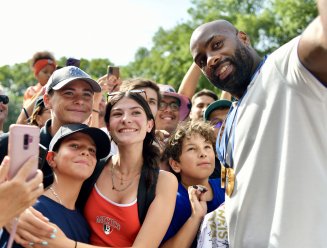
point(191, 155)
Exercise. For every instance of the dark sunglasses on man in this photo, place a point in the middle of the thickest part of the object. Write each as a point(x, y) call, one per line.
point(4, 99)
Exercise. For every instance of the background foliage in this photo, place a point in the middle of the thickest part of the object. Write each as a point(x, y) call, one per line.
point(269, 23)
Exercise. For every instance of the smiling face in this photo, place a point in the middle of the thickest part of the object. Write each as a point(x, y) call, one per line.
point(75, 158)
point(128, 122)
point(167, 117)
point(224, 56)
point(199, 105)
point(71, 104)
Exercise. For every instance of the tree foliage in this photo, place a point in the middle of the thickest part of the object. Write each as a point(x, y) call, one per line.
point(269, 23)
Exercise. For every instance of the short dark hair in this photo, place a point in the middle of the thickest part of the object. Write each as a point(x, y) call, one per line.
point(205, 92)
point(42, 55)
point(137, 83)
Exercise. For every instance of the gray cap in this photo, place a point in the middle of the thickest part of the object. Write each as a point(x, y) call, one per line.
point(67, 74)
point(99, 137)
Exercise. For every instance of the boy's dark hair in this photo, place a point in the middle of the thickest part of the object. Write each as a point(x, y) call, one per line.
point(41, 55)
point(205, 92)
point(138, 83)
point(183, 131)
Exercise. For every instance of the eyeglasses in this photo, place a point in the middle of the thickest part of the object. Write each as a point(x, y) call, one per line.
point(109, 95)
point(4, 99)
point(174, 106)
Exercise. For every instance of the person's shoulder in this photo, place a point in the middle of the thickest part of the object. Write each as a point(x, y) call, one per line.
point(166, 180)
point(166, 175)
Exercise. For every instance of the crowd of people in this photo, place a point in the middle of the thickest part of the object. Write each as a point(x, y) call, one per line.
point(135, 163)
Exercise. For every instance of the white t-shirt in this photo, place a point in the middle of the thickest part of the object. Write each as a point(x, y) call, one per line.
point(213, 230)
point(280, 158)
point(113, 145)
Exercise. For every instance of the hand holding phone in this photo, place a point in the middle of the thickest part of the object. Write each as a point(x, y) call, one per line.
point(23, 144)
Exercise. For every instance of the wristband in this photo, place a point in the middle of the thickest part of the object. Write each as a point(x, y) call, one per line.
point(96, 111)
point(26, 114)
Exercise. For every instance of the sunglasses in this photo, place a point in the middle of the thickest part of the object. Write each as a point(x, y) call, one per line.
point(111, 94)
point(4, 99)
point(174, 106)
point(217, 124)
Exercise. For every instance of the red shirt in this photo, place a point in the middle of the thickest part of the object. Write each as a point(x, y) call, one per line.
point(111, 224)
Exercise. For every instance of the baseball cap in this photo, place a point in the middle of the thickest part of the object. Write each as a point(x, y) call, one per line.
point(214, 105)
point(185, 108)
point(67, 74)
point(99, 137)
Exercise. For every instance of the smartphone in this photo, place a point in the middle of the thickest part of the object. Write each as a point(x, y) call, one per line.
point(113, 70)
point(23, 143)
point(74, 62)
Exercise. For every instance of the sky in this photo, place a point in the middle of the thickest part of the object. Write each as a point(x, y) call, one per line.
point(84, 28)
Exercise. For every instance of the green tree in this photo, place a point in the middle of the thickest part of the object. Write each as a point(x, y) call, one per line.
point(269, 23)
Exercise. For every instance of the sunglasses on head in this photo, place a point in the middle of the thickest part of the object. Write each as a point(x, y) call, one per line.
point(4, 99)
point(109, 95)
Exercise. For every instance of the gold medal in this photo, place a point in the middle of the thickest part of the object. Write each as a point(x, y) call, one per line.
point(223, 176)
point(227, 179)
point(230, 181)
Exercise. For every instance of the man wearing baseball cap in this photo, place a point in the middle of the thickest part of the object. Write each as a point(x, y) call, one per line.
point(173, 108)
point(73, 154)
point(216, 114)
point(69, 95)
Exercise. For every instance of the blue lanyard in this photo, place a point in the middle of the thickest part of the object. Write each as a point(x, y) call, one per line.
point(226, 144)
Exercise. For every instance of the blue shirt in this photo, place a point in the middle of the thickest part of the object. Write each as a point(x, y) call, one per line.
point(183, 208)
point(71, 222)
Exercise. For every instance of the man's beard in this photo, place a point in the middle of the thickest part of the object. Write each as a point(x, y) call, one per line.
point(237, 82)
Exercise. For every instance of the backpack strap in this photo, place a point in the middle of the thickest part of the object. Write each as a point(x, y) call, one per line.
point(145, 195)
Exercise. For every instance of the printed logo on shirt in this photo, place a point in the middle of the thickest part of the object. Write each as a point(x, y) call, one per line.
point(108, 224)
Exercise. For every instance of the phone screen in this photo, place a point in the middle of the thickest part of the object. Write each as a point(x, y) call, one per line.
point(23, 143)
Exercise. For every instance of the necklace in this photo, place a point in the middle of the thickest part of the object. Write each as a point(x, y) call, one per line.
point(55, 194)
point(121, 181)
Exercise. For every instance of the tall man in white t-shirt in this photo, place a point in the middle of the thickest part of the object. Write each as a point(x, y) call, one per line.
point(274, 147)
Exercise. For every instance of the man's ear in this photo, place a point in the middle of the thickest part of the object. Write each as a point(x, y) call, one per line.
point(150, 125)
point(51, 159)
point(174, 165)
point(46, 100)
point(244, 38)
